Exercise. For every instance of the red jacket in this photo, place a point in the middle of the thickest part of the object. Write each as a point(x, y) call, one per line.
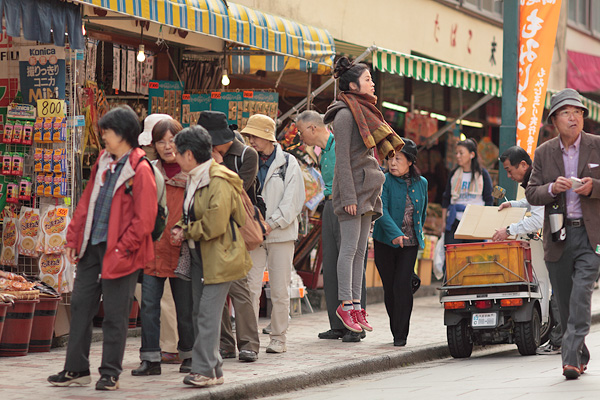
point(167, 255)
point(132, 216)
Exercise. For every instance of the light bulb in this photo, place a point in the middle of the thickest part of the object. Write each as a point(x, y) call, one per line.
point(225, 79)
point(141, 56)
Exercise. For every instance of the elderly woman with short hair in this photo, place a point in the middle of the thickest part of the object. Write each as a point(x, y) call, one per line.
point(212, 214)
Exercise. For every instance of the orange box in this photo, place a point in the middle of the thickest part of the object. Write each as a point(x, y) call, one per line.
point(488, 263)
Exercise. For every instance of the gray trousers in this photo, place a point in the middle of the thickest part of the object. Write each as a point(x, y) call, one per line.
point(330, 237)
point(246, 326)
point(117, 297)
point(350, 264)
point(208, 307)
point(572, 278)
point(556, 333)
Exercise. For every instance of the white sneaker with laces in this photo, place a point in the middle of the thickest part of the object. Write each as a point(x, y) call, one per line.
point(276, 346)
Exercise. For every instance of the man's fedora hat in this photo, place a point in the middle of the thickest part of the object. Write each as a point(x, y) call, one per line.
point(566, 97)
point(215, 122)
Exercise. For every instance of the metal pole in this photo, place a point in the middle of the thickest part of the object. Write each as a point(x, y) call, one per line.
point(510, 74)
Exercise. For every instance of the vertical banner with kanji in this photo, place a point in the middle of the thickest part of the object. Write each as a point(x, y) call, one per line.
point(9, 77)
point(42, 72)
point(537, 34)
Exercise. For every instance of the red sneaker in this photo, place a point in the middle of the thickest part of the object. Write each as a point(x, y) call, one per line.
point(361, 318)
point(348, 318)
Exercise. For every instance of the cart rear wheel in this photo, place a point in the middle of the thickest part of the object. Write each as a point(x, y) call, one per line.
point(527, 334)
point(459, 340)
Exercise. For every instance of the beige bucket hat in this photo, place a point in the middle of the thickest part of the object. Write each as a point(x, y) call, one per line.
point(261, 126)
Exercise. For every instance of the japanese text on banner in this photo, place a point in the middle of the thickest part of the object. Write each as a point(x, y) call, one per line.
point(537, 33)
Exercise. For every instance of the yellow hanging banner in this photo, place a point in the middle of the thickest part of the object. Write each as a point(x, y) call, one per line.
point(537, 34)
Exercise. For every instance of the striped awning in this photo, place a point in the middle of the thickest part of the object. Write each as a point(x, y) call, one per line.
point(427, 70)
point(236, 23)
point(444, 74)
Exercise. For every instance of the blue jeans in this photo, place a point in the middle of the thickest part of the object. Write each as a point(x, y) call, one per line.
point(152, 291)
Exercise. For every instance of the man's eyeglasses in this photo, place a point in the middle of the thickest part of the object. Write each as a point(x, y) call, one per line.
point(304, 131)
point(570, 113)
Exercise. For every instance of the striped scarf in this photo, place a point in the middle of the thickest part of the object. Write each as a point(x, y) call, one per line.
point(475, 187)
point(371, 125)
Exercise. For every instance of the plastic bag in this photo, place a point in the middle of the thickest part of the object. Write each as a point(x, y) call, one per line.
point(439, 257)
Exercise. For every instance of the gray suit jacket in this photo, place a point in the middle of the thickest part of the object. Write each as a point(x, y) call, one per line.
point(547, 166)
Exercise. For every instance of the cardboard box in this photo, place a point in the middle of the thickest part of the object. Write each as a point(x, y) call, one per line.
point(481, 222)
point(425, 267)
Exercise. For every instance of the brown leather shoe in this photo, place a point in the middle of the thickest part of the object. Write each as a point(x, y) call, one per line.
point(571, 372)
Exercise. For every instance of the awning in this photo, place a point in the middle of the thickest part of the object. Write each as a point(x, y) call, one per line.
point(237, 24)
point(444, 74)
point(427, 70)
point(583, 72)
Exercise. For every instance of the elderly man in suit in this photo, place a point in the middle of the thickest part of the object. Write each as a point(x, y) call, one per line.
point(566, 179)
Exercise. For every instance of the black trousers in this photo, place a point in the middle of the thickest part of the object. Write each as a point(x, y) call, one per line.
point(117, 297)
point(395, 266)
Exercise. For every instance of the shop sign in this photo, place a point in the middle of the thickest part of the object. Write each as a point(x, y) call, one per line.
point(50, 108)
point(42, 72)
point(192, 106)
point(537, 34)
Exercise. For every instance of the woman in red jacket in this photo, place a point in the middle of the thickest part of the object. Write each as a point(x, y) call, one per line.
point(158, 270)
point(110, 239)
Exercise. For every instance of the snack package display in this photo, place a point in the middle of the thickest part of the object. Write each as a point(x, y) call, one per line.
point(38, 127)
point(17, 164)
point(47, 160)
point(25, 189)
point(59, 161)
point(27, 133)
point(17, 135)
point(54, 226)
point(57, 186)
point(12, 193)
point(47, 130)
point(39, 185)
point(57, 129)
point(51, 270)
point(38, 160)
point(48, 180)
point(7, 164)
point(8, 132)
point(10, 236)
point(29, 226)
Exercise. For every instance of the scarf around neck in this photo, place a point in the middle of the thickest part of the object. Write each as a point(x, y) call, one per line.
point(475, 186)
point(374, 130)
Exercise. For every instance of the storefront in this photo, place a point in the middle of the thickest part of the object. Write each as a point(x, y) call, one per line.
point(158, 57)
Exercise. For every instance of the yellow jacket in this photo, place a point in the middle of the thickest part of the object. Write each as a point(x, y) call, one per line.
point(219, 213)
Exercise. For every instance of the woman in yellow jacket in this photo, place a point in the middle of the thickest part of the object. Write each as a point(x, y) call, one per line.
point(212, 215)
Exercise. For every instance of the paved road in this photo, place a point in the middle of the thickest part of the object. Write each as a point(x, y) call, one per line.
point(497, 373)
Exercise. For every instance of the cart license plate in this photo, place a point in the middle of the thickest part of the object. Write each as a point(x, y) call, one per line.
point(481, 320)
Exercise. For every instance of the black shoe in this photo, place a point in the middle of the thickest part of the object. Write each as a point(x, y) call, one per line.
point(248, 355)
point(67, 378)
point(351, 337)
point(363, 334)
point(147, 368)
point(400, 342)
point(226, 354)
point(107, 382)
point(333, 334)
point(186, 366)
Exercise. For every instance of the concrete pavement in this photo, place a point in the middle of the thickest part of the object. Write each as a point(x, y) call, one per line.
point(308, 362)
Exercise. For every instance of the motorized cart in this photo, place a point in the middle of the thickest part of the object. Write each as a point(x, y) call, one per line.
point(496, 292)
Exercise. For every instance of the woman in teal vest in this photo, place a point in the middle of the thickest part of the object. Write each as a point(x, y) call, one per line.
point(398, 235)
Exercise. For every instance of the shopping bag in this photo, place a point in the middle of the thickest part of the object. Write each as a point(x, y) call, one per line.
point(439, 256)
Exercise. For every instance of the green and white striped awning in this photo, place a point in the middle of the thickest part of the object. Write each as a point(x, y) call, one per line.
point(444, 74)
point(427, 70)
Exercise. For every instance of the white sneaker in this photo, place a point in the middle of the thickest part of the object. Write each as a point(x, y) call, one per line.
point(276, 346)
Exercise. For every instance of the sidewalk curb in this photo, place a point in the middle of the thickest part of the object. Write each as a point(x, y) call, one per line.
point(321, 376)
point(289, 382)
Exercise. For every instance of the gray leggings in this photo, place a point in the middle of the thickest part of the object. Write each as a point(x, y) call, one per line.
point(354, 237)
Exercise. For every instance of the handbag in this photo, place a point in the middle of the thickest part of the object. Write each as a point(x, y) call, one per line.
point(253, 231)
point(415, 282)
point(184, 264)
